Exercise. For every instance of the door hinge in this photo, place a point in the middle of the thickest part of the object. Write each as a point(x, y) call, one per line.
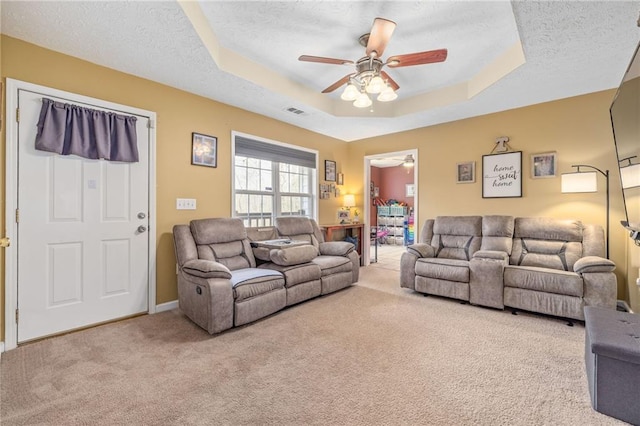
point(151, 124)
point(17, 215)
point(17, 315)
point(17, 115)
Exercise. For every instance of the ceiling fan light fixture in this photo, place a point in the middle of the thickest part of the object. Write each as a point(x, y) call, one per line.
point(350, 93)
point(362, 101)
point(387, 95)
point(375, 85)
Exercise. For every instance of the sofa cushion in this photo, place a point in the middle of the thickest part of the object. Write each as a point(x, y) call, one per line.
point(458, 225)
point(336, 248)
point(543, 228)
point(293, 255)
point(561, 255)
point(543, 280)
point(456, 237)
point(330, 265)
point(206, 269)
point(233, 254)
point(497, 233)
point(296, 274)
point(217, 230)
point(443, 269)
point(250, 282)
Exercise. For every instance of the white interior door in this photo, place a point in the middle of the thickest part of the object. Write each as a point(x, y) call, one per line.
point(83, 245)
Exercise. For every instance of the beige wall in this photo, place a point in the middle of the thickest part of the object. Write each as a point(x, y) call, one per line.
point(578, 129)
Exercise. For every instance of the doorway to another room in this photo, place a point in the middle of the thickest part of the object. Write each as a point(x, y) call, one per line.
point(391, 206)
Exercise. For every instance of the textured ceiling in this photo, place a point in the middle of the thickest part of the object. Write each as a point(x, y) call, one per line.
point(245, 53)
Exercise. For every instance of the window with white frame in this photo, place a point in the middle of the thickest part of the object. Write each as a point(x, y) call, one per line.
point(270, 180)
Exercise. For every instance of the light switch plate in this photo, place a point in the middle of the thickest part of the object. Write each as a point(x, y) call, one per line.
point(185, 203)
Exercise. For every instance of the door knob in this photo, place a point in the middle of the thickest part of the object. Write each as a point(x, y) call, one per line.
point(141, 215)
point(142, 229)
point(5, 242)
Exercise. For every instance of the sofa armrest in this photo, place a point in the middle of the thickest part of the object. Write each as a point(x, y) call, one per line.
point(296, 255)
point(421, 250)
point(207, 301)
point(206, 269)
point(336, 248)
point(593, 264)
point(491, 255)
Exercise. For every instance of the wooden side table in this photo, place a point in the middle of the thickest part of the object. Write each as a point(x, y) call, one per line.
point(338, 232)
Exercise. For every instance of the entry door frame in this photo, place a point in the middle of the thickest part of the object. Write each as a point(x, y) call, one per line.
point(11, 191)
point(366, 248)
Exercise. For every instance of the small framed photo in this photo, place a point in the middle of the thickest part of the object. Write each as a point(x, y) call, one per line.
point(466, 172)
point(204, 150)
point(409, 190)
point(543, 165)
point(340, 179)
point(329, 171)
point(344, 216)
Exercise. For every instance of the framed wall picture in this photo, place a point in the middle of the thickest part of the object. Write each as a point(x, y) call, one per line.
point(340, 179)
point(329, 171)
point(204, 150)
point(502, 175)
point(344, 216)
point(409, 190)
point(543, 165)
point(466, 172)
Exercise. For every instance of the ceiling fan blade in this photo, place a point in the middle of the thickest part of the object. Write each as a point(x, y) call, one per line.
point(337, 84)
point(322, 60)
point(389, 80)
point(429, 57)
point(379, 37)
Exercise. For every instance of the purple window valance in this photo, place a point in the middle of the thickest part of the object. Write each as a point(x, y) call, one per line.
point(89, 133)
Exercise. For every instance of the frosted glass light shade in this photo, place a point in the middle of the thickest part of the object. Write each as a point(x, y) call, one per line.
point(387, 95)
point(363, 101)
point(375, 85)
point(350, 93)
point(630, 176)
point(579, 182)
point(349, 200)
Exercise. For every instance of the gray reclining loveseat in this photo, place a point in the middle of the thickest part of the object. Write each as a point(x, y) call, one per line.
point(222, 285)
point(543, 265)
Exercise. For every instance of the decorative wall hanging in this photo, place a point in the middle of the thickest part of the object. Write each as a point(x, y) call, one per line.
point(543, 165)
point(340, 179)
point(502, 175)
point(329, 171)
point(204, 150)
point(466, 172)
point(409, 190)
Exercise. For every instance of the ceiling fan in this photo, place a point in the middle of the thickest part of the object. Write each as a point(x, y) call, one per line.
point(369, 76)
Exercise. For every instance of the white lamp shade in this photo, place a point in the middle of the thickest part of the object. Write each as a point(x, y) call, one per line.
point(350, 93)
point(630, 176)
point(387, 95)
point(363, 101)
point(349, 200)
point(375, 85)
point(579, 182)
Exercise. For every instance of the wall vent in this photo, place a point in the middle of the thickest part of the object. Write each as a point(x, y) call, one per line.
point(295, 111)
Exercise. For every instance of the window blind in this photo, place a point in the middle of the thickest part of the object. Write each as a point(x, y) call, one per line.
point(247, 147)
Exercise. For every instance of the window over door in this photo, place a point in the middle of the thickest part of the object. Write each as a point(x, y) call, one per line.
point(272, 179)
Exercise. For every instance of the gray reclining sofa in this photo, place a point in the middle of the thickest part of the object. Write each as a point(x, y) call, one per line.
point(224, 282)
point(543, 265)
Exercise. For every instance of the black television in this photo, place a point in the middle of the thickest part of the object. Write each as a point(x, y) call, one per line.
point(625, 120)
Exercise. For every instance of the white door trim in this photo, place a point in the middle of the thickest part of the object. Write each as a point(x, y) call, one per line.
point(11, 191)
point(367, 196)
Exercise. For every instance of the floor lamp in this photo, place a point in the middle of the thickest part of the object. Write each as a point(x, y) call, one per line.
point(580, 181)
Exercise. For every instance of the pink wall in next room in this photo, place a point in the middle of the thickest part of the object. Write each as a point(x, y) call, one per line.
point(391, 181)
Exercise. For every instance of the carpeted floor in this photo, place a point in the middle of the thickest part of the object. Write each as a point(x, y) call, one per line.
point(370, 354)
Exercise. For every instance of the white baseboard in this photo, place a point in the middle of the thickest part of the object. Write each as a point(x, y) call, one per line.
point(1, 348)
point(166, 306)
